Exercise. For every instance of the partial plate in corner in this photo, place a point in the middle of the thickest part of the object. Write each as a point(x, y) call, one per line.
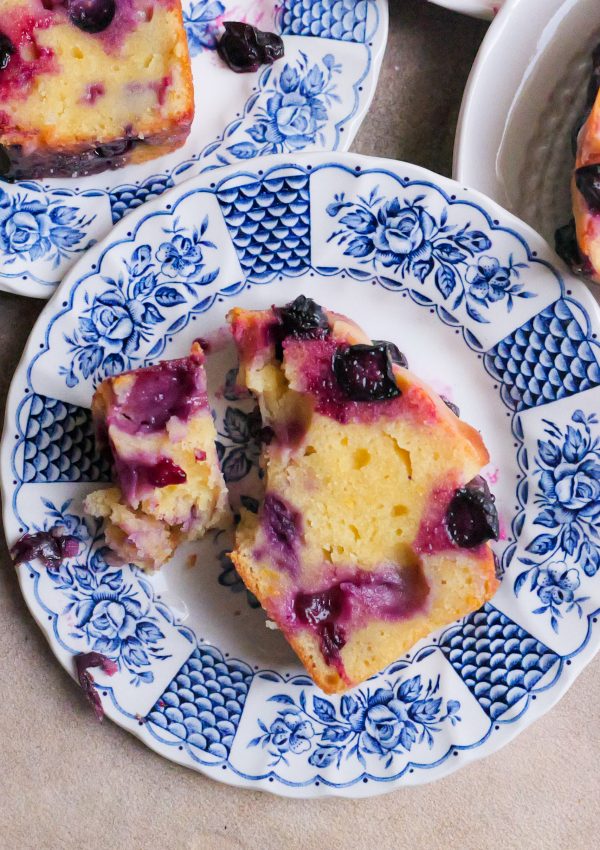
point(485, 9)
point(313, 99)
point(526, 90)
point(474, 299)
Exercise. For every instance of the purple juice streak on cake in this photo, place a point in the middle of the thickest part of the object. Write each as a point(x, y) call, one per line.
point(282, 526)
point(136, 477)
point(171, 388)
point(387, 594)
point(83, 662)
point(314, 361)
point(50, 547)
point(93, 92)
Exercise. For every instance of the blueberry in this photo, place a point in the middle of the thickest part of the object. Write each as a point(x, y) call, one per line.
point(397, 356)
point(472, 518)
point(365, 372)
point(587, 180)
point(303, 318)
point(5, 163)
point(114, 149)
point(245, 48)
point(7, 49)
point(282, 528)
point(453, 407)
point(567, 248)
point(91, 15)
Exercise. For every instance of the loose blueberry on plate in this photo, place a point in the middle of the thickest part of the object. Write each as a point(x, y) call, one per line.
point(50, 547)
point(472, 517)
point(91, 15)
point(365, 373)
point(245, 48)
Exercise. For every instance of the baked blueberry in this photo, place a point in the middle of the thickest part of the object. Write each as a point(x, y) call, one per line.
point(7, 49)
point(365, 373)
point(91, 15)
point(587, 180)
point(472, 517)
point(245, 48)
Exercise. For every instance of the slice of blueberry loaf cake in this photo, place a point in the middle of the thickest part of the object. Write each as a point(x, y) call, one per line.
point(87, 85)
point(158, 427)
point(374, 526)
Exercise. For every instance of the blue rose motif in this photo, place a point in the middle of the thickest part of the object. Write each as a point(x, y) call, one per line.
point(557, 585)
point(488, 280)
point(388, 724)
point(111, 620)
point(180, 258)
point(575, 487)
point(113, 323)
point(201, 25)
point(289, 733)
point(36, 229)
point(403, 233)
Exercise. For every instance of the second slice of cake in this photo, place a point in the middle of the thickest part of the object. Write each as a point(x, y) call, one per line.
point(159, 429)
point(373, 531)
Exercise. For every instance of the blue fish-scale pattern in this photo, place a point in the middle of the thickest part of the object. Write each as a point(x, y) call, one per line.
point(203, 704)
point(269, 221)
point(498, 660)
point(342, 20)
point(59, 444)
point(129, 197)
point(548, 358)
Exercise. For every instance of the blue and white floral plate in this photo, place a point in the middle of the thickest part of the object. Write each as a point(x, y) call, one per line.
point(313, 99)
point(482, 309)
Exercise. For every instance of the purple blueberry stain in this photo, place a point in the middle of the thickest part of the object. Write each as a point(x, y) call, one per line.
point(472, 516)
point(451, 406)
point(50, 547)
point(388, 594)
point(245, 48)
point(365, 372)
point(136, 477)
point(282, 526)
point(172, 388)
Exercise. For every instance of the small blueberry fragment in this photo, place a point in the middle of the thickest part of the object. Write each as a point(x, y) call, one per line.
point(85, 660)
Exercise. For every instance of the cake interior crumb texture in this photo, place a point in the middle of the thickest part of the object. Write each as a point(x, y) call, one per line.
point(349, 554)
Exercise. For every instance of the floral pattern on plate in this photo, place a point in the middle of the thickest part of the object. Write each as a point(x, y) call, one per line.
point(218, 691)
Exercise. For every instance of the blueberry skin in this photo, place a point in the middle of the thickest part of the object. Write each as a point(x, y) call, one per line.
point(7, 49)
point(91, 16)
point(365, 372)
point(303, 318)
point(587, 180)
point(472, 516)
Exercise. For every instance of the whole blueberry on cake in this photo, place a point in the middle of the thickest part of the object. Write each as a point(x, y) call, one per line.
point(374, 527)
point(87, 85)
point(158, 427)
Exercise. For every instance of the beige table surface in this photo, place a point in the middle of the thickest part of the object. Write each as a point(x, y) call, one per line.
point(67, 782)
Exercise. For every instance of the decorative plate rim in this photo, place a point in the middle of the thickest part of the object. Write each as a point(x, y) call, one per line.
point(507, 222)
point(474, 8)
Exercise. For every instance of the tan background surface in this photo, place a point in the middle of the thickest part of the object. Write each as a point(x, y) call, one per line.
point(66, 782)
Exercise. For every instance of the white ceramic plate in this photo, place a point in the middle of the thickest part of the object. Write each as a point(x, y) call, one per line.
point(472, 296)
point(525, 92)
point(313, 99)
point(477, 8)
